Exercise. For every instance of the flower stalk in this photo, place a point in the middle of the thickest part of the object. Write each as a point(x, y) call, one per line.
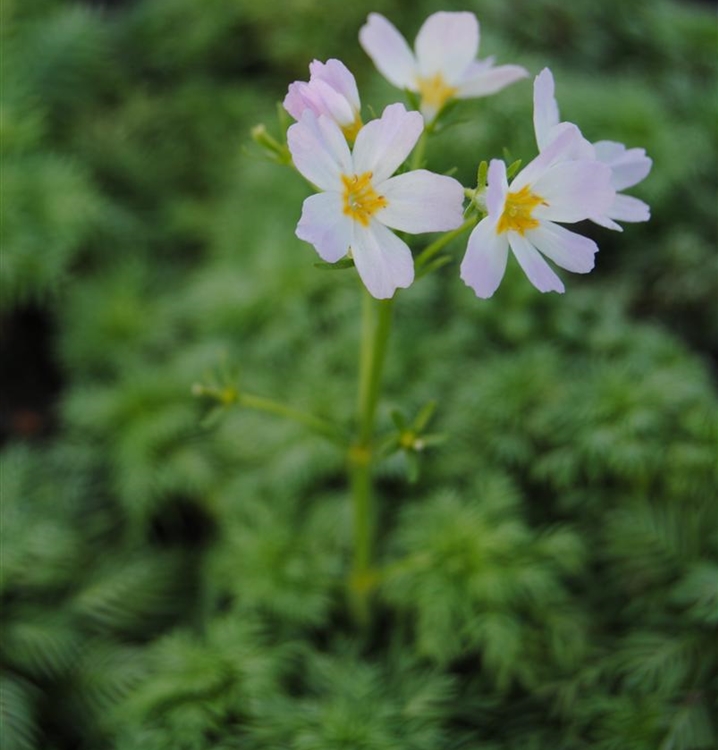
point(430, 251)
point(376, 326)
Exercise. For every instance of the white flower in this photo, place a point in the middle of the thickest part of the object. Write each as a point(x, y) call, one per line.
point(553, 187)
point(628, 166)
point(444, 66)
point(361, 202)
point(331, 91)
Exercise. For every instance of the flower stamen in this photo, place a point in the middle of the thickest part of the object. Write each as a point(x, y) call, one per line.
point(518, 209)
point(361, 201)
point(435, 91)
point(351, 131)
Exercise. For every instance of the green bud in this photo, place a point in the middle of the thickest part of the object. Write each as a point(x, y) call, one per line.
point(273, 149)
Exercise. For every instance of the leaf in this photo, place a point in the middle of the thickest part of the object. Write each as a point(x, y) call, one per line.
point(18, 727)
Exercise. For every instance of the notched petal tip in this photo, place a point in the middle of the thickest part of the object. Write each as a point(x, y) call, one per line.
point(382, 145)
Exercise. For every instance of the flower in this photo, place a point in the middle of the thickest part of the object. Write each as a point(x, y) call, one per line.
point(628, 166)
point(553, 187)
point(331, 91)
point(444, 66)
point(360, 202)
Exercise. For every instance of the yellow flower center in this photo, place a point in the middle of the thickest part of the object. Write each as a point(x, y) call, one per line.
point(517, 211)
point(350, 131)
point(435, 91)
point(360, 199)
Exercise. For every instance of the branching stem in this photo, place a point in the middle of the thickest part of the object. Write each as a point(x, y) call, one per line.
point(314, 423)
point(435, 247)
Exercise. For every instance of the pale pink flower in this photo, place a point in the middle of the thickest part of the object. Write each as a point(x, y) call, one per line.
point(360, 202)
point(628, 166)
point(552, 188)
point(331, 91)
point(444, 64)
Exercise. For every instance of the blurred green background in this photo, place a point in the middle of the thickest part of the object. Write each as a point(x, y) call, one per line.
point(173, 585)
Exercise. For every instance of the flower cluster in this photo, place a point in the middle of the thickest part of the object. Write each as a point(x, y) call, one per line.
point(360, 200)
point(444, 66)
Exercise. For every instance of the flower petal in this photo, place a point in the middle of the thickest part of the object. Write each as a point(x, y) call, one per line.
point(298, 99)
point(389, 51)
point(327, 101)
point(538, 271)
point(546, 114)
point(565, 248)
point(497, 187)
point(384, 262)
point(604, 221)
point(579, 148)
point(629, 166)
point(483, 80)
point(447, 43)
point(383, 144)
point(319, 150)
point(560, 147)
point(421, 201)
point(324, 225)
point(484, 264)
point(338, 76)
point(573, 191)
point(630, 209)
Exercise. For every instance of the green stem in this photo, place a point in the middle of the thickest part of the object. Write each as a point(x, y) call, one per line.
point(316, 424)
point(417, 158)
point(376, 325)
point(435, 247)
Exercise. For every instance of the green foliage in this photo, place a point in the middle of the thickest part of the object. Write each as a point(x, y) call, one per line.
point(548, 581)
point(348, 702)
point(474, 579)
point(200, 689)
point(18, 728)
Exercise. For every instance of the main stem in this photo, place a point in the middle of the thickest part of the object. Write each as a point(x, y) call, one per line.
point(376, 325)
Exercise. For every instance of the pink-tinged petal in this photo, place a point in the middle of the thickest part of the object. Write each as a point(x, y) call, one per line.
point(421, 201)
point(482, 80)
point(630, 209)
point(538, 271)
point(484, 264)
point(324, 225)
point(382, 145)
point(573, 190)
point(447, 43)
point(319, 151)
point(629, 166)
point(497, 187)
point(331, 103)
point(384, 262)
point(546, 114)
point(389, 51)
point(565, 248)
point(298, 99)
point(563, 144)
point(338, 76)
